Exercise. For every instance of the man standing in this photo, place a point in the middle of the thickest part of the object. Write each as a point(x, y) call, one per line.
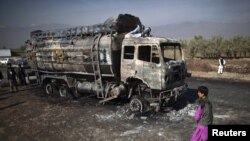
point(11, 75)
point(21, 75)
point(1, 76)
point(222, 62)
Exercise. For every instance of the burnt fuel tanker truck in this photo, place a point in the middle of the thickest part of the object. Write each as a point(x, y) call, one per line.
point(116, 59)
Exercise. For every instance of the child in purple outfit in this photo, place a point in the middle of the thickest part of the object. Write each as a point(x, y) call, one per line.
point(203, 115)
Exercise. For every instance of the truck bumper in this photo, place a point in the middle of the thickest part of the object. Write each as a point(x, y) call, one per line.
point(166, 95)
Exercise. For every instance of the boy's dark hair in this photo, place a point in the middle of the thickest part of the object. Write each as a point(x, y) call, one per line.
point(203, 89)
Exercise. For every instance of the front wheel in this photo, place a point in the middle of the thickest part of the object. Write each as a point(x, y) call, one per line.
point(136, 104)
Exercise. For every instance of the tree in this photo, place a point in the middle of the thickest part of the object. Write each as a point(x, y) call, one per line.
point(236, 43)
point(216, 45)
point(227, 47)
point(196, 45)
point(237, 46)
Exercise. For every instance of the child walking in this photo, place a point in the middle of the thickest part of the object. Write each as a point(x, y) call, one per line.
point(203, 115)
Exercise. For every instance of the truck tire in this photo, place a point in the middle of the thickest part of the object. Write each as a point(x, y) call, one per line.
point(64, 91)
point(75, 93)
point(136, 104)
point(49, 89)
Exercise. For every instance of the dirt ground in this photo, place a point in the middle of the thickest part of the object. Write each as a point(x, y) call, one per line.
point(235, 69)
point(226, 75)
point(240, 66)
point(29, 115)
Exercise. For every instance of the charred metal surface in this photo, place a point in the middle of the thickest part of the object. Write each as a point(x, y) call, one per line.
point(115, 59)
point(70, 49)
point(152, 73)
point(52, 55)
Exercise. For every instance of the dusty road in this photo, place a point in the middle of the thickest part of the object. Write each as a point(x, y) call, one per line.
point(28, 115)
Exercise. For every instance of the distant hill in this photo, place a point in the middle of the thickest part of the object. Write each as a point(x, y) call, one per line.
point(14, 37)
point(187, 30)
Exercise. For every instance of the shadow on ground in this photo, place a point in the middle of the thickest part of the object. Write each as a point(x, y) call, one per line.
point(189, 97)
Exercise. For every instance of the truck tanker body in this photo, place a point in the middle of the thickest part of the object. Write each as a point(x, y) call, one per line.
point(116, 59)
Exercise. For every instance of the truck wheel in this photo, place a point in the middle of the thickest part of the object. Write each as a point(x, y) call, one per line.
point(75, 93)
point(136, 104)
point(49, 89)
point(64, 91)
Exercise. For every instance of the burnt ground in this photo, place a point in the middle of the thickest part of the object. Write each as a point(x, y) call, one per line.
point(29, 115)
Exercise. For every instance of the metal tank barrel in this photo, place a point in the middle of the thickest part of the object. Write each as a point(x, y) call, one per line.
point(76, 55)
point(71, 50)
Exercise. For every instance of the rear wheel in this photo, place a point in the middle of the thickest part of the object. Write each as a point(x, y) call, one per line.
point(49, 89)
point(75, 92)
point(64, 91)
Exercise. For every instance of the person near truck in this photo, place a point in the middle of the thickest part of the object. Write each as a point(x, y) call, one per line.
point(1, 77)
point(21, 75)
point(222, 63)
point(203, 115)
point(11, 75)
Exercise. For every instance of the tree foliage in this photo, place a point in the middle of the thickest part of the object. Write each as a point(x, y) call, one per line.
point(235, 47)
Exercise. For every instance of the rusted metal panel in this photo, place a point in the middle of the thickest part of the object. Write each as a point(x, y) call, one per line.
point(74, 56)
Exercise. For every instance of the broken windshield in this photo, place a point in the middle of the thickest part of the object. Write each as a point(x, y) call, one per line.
point(171, 51)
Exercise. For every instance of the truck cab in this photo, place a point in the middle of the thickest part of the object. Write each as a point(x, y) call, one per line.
point(158, 63)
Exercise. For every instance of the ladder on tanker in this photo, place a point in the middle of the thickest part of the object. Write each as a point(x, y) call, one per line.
point(96, 66)
point(72, 32)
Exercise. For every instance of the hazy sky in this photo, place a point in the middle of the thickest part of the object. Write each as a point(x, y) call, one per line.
point(151, 12)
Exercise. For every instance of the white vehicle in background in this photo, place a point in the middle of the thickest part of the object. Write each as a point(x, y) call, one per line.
point(5, 61)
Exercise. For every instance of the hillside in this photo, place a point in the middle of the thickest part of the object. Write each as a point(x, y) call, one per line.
point(14, 37)
point(187, 30)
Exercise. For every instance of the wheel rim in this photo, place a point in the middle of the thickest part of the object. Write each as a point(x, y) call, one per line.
point(63, 91)
point(49, 89)
point(136, 105)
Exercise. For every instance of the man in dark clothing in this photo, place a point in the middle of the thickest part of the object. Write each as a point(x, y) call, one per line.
point(1, 77)
point(21, 75)
point(11, 75)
